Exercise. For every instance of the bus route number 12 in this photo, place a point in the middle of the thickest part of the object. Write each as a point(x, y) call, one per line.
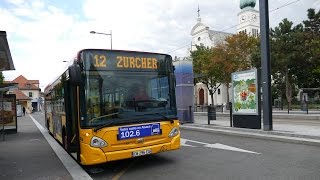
point(100, 61)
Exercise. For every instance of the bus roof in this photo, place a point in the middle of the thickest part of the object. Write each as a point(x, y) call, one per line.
point(76, 59)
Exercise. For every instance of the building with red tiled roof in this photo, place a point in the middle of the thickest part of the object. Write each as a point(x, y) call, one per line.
point(28, 93)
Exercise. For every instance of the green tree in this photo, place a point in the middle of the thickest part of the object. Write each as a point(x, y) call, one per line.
point(304, 57)
point(309, 40)
point(234, 55)
point(312, 25)
point(1, 77)
point(284, 54)
point(205, 69)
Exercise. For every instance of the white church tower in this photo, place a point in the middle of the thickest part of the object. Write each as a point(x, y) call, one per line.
point(248, 23)
point(202, 35)
point(248, 18)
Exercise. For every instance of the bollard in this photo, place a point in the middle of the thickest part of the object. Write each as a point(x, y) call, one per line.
point(190, 114)
point(230, 108)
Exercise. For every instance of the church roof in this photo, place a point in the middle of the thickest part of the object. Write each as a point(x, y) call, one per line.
point(218, 36)
point(244, 4)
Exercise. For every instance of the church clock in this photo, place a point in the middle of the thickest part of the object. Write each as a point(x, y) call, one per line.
point(243, 18)
point(253, 17)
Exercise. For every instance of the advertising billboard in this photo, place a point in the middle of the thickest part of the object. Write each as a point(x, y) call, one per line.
point(8, 114)
point(245, 92)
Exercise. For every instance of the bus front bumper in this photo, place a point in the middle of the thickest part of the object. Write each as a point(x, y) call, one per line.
point(92, 156)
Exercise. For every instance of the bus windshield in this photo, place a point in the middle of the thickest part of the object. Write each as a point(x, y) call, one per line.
point(127, 96)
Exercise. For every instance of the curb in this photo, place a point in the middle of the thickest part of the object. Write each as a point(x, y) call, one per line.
point(253, 133)
point(74, 169)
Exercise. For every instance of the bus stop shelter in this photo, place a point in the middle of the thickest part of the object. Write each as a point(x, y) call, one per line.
point(7, 102)
point(6, 62)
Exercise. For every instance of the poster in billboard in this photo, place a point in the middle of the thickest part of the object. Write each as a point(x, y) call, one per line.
point(245, 94)
point(8, 114)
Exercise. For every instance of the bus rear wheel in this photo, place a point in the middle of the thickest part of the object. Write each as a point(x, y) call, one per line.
point(65, 140)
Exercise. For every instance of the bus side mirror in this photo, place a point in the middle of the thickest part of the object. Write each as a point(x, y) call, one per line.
point(75, 74)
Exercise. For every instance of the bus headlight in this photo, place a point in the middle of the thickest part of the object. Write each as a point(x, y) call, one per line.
point(98, 142)
point(174, 132)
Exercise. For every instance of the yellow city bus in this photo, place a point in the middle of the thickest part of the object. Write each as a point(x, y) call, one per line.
point(91, 110)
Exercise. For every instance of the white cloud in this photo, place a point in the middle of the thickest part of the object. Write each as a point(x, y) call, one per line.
point(295, 12)
point(40, 49)
point(16, 2)
point(316, 5)
point(37, 4)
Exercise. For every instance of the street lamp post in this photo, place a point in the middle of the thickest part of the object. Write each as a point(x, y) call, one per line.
point(108, 34)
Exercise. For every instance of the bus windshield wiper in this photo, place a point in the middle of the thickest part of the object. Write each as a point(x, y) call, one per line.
point(99, 117)
point(162, 115)
point(104, 125)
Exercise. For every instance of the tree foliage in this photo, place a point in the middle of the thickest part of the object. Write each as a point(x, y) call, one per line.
point(214, 66)
point(205, 69)
point(295, 55)
point(282, 45)
point(309, 48)
point(1, 78)
point(234, 55)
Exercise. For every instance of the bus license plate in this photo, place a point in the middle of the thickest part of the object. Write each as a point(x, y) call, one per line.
point(141, 153)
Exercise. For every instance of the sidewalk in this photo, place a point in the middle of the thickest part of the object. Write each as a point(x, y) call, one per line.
point(294, 127)
point(27, 155)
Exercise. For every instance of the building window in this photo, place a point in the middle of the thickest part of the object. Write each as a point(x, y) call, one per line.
point(255, 32)
point(218, 91)
point(30, 94)
point(199, 38)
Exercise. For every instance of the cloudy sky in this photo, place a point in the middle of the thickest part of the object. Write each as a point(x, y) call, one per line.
point(44, 33)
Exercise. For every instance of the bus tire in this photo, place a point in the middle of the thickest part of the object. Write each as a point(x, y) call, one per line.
point(48, 125)
point(64, 139)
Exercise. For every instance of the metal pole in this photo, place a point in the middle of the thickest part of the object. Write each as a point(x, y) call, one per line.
point(111, 38)
point(190, 114)
point(209, 113)
point(2, 114)
point(230, 109)
point(265, 62)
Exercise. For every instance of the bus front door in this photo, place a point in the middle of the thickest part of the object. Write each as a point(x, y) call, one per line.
point(71, 142)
